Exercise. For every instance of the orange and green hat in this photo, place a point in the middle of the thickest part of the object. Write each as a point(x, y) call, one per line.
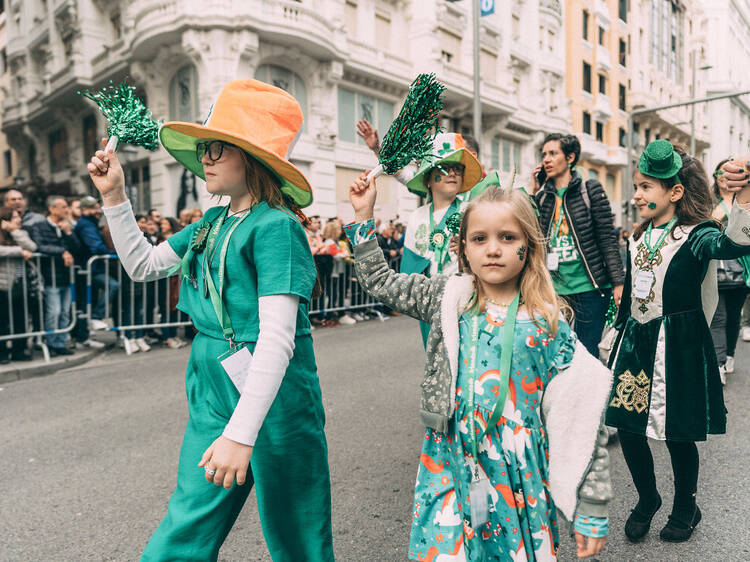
point(261, 119)
point(447, 147)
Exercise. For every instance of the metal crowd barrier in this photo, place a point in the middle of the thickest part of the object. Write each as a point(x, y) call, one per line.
point(22, 300)
point(341, 291)
point(108, 292)
point(133, 306)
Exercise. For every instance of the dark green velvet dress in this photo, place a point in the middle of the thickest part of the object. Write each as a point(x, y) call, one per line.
point(666, 376)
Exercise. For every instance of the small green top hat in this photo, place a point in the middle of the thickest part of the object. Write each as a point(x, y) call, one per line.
point(660, 160)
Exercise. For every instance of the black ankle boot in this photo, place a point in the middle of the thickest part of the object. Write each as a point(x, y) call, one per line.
point(677, 530)
point(639, 522)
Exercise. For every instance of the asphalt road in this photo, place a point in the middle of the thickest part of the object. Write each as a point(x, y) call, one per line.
point(89, 458)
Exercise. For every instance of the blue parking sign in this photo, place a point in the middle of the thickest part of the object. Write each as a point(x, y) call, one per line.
point(487, 7)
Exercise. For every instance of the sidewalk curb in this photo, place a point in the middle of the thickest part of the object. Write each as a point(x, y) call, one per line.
point(13, 373)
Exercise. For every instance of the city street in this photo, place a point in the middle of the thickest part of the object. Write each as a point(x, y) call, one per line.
point(89, 458)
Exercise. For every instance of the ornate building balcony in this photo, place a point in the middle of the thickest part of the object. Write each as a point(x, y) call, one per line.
point(274, 20)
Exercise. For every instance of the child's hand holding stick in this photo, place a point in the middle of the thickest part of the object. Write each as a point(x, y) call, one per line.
point(362, 194)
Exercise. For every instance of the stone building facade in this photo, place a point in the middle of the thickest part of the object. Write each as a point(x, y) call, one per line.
point(342, 59)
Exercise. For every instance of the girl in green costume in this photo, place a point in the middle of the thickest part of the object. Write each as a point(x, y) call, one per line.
point(666, 378)
point(255, 409)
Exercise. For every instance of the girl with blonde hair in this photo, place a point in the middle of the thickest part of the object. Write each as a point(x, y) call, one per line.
point(510, 437)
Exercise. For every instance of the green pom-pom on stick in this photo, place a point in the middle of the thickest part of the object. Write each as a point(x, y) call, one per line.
point(453, 223)
point(410, 135)
point(130, 121)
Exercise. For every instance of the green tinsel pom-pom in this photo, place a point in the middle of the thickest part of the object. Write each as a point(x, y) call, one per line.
point(611, 315)
point(129, 119)
point(410, 135)
point(453, 223)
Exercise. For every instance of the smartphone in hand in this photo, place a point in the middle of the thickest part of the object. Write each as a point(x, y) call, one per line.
point(541, 177)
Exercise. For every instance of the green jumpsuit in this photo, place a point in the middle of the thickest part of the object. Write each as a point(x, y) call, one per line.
point(267, 254)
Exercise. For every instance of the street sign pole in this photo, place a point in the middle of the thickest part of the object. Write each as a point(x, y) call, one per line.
point(477, 125)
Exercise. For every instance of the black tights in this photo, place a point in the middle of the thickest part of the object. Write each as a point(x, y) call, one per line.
point(684, 456)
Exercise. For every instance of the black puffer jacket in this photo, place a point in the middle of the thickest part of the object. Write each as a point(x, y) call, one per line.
point(593, 228)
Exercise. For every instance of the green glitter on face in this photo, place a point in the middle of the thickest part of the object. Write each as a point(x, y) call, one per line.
point(129, 119)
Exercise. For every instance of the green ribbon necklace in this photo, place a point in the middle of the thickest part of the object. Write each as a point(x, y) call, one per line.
point(506, 354)
point(667, 229)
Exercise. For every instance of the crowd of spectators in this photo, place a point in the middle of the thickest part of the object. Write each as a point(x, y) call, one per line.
point(339, 292)
point(37, 252)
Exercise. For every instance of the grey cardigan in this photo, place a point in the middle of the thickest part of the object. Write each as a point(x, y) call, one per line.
point(579, 462)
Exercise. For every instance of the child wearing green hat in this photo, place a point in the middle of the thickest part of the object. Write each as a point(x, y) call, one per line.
point(255, 409)
point(666, 382)
point(450, 170)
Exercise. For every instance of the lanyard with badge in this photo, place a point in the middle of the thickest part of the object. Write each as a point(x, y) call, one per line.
point(644, 279)
point(480, 487)
point(553, 258)
point(236, 361)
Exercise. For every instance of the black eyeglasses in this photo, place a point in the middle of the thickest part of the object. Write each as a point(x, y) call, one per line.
point(445, 168)
point(213, 148)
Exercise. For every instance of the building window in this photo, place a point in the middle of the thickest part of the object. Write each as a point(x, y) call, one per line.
point(90, 138)
point(622, 9)
point(58, 150)
point(8, 161)
point(609, 186)
point(600, 131)
point(585, 25)
point(139, 187)
point(602, 84)
point(354, 106)
point(3, 60)
point(116, 25)
point(506, 154)
point(587, 122)
point(183, 95)
point(647, 135)
point(286, 80)
point(623, 137)
point(622, 99)
point(667, 38)
point(450, 45)
point(601, 36)
point(383, 31)
point(622, 59)
point(350, 17)
point(587, 77)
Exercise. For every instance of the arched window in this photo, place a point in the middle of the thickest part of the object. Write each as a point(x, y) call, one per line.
point(286, 80)
point(183, 95)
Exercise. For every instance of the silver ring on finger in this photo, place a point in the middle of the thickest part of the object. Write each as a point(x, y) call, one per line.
point(209, 471)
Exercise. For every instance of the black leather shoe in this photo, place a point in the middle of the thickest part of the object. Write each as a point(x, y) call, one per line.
point(677, 531)
point(21, 356)
point(639, 522)
point(53, 351)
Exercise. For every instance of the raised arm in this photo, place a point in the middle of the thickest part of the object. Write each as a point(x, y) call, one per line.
point(415, 295)
point(141, 260)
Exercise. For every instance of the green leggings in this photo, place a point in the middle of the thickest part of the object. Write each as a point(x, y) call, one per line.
point(289, 466)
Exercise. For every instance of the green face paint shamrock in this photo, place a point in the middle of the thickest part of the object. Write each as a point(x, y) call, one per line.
point(521, 253)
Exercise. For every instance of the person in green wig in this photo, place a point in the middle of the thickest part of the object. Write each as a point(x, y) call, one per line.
point(255, 409)
point(666, 383)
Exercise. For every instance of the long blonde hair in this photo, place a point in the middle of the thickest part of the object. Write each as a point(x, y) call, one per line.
point(537, 291)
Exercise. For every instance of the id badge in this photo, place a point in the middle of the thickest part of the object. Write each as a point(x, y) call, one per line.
point(642, 284)
point(553, 261)
point(237, 364)
point(479, 496)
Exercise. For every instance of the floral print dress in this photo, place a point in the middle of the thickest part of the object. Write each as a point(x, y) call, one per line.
point(513, 455)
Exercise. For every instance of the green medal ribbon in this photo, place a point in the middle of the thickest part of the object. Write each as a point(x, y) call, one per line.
point(647, 238)
point(506, 353)
point(439, 241)
point(724, 206)
point(217, 296)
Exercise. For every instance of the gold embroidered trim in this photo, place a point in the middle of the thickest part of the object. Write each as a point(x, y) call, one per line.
point(632, 392)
